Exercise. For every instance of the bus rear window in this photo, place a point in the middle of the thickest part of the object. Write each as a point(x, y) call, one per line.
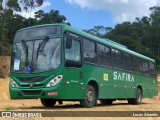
point(38, 32)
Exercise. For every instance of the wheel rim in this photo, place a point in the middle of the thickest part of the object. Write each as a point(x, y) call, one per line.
point(90, 96)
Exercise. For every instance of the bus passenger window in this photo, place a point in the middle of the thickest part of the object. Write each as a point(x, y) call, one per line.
point(137, 67)
point(116, 59)
point(127, 62)
point(89, 49)
point(74, 53)
point(145, 67)
point(152, 69)
point(103, 55)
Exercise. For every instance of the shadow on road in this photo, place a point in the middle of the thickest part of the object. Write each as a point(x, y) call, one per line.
point(73, 106)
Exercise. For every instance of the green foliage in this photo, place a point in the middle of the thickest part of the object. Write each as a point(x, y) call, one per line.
point(158, 69)
point(1, 75)
point(13, 4)
point(31, 4)
point(10, 22)
point(52, 17)
point(99, 30)
point(9, 108)
point(1, 7)
point(142, 36)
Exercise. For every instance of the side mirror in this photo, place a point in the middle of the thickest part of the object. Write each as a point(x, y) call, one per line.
point(69, 42)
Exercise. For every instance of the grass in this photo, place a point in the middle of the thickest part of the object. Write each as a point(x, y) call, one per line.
point(23, 106)
point(9, 108)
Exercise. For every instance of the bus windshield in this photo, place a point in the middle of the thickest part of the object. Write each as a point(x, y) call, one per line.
point(38, 32)
point(36, 56)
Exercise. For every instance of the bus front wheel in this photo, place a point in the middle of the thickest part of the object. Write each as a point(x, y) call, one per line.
point(48, 102)
point(138, 99)
point(90, 97)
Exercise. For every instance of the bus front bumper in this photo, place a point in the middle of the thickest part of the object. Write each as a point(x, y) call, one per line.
point(34, 93)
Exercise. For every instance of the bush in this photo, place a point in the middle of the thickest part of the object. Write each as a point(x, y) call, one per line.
point(9, 108)
point(158, 68)
point(1, 75)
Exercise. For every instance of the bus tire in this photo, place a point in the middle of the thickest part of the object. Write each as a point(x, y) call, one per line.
point(90, 97)
point(106, 101)
point(48, 102)
point(138, 99)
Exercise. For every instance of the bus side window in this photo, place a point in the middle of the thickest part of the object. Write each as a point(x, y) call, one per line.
point(137, 67)
point(116, 58)
point(89, 49)
point(103, 55)
point(145, 66)
point(127, 62)
point(74, 53)
point(108, 56)
point(152, 69)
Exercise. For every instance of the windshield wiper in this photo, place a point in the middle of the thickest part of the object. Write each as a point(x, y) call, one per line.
point(25, 48)
point(42, 45)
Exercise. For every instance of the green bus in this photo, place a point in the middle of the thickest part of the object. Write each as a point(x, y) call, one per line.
point(56, 63)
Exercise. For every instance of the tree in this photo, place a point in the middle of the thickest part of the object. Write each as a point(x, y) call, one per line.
point(1, 7)
point(143, 35)
point(13, 5)
point(10, 21)
point(98, 30)
point(52, 17)
point(29, 5)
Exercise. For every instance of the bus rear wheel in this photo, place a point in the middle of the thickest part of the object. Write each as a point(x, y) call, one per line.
point(106, 102)
point(48, 102)
point(138, 99)
point(90, 97)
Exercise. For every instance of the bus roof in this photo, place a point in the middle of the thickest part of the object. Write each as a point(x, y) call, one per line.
point(43, 25)
point(100, 40)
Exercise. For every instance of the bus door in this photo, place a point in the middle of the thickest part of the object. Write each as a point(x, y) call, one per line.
point(73, 63)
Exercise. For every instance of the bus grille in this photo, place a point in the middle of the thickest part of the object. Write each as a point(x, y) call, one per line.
point(33, 79)
point(39, 85)
point(31, 92)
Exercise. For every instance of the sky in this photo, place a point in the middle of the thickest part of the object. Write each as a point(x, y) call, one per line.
point(85, 14)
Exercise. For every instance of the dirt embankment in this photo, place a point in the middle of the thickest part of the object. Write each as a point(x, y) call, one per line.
point(158, 97)
point(4, 65)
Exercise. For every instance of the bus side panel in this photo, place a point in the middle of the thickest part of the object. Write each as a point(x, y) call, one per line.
point(74, 86)
point(130, 91)
point(119, 83)
point(154, 87)
point(130, 88)
point(107, 88)
point(110, 86)
point(124, 84)
point(141, 80)
point(148, 84)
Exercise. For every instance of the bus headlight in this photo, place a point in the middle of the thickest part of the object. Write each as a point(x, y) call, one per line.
point(54, 81)
point(13, 83)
